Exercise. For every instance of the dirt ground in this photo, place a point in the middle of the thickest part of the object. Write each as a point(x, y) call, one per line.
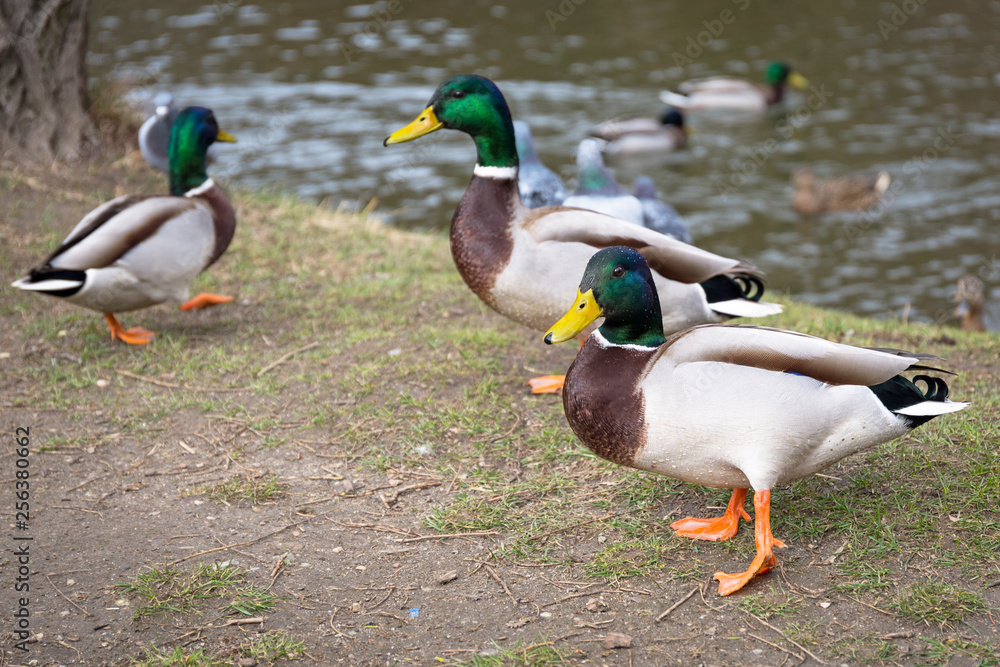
point(372, 518)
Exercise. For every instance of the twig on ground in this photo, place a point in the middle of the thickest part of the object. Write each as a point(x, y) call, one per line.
point(584, 523)
point(780, 648)
point(502, 583)
point(446, 536)
point(78, 509)
point(285, 357)
point(404, 489)
point(172, 385)
point(578, 595)
point(244, 621)
point(851, 597)
point(786, 638)
point(677, 604)
point(85, 612)
point(334, 627)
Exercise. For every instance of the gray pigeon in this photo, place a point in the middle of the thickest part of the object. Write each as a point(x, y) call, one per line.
point(658, 215)
point(539, 185)
point(598, 190)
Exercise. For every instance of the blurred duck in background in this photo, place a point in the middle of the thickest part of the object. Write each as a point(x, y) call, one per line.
point(857, 192)
point(154, 134)
point(643, 135)
point(729, 93)
point(969, 298)
point(539, 185)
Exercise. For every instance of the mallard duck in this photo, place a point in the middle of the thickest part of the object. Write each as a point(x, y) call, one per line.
point(539, 185)
point(521, 261)
point(597, 189)
point(642, 135)
point(845, 193)
point(140, 250)
point(723, 92)
point(735, 407)
point(656, 214)
point(154, 134)
point(969, 298)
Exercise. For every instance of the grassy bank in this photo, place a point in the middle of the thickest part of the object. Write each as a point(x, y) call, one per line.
point(357, 396)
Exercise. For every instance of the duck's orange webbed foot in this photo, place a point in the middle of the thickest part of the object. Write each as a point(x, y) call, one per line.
point(547, 384)
point(717, 529)
point(204, 300)
point(764, 561)
point(133, 336)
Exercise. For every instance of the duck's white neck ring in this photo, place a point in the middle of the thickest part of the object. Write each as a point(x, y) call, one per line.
point(508, 173)
point(604, 342)
point(201, 189)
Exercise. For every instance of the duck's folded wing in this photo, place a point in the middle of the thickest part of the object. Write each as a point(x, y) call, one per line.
point(114, 228)
point(668, 257)
point(612, 129)
point(788, 351)
point(718, 85)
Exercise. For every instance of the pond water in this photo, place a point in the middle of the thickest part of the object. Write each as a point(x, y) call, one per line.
point(912, 87)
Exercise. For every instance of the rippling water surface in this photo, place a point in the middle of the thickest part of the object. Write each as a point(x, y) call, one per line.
point(311, 88)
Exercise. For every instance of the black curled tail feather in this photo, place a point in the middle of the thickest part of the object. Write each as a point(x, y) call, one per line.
point(728, 288)
point(937, 388)
point(898, 393)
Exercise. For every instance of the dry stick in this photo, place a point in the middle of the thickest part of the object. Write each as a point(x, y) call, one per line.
point(334, 628)
point(412, 487)
point(584, 523)
point(850, 597)
point(790, 641)
point(172, 385)
point(244, 621)
point(78, 509)
point(85, 612)
point(501, 582)
point(243, 544)
point(702, 588)
point(392, 590)
point(93, 479)
point(780, 648)
point(321, 500)
point(449, 535)
point(578, 595)
point(677, 604)
point(285, 357)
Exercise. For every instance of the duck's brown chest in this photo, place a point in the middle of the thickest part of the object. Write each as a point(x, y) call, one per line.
point(481, 240)
point(603, 404)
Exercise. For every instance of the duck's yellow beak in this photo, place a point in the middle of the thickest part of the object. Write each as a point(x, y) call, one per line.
point(796, 80)
point(584, 311)
point(425, 123)
point(225, 137)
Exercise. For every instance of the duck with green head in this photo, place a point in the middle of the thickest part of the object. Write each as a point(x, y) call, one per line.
point(729, 93)
point(738, 407)
point(137, 251)
point(521, 261)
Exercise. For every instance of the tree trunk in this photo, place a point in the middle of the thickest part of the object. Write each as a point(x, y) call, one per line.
point(43, 80)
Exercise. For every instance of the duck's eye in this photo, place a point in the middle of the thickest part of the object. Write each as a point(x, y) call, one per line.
point(458, 94)
point(618, 272)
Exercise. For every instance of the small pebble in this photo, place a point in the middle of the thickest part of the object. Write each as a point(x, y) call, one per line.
point(102, 383)
point(337, 550)
point(546, 614)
